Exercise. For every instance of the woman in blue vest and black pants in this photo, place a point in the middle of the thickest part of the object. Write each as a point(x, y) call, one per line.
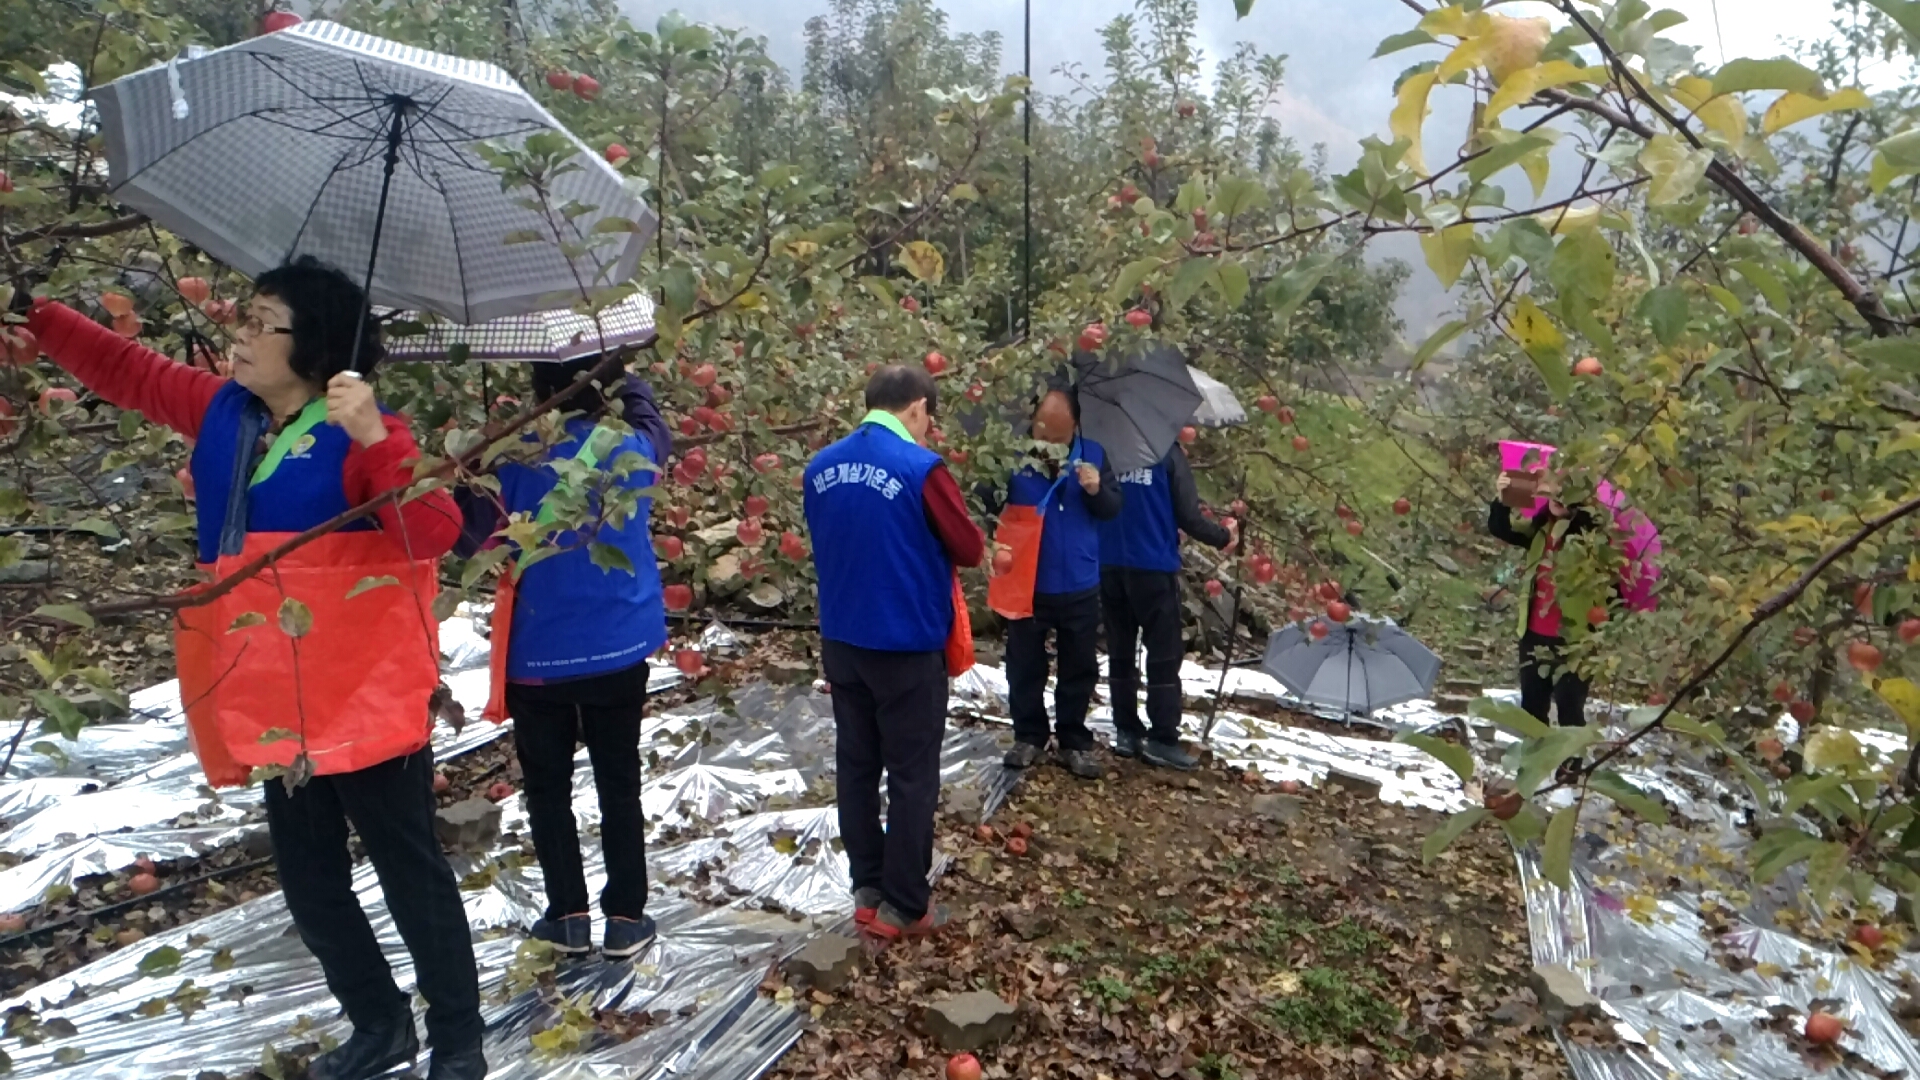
point(1066, 591)
point(576, 646)
point(1140, 592)
point(889, 527)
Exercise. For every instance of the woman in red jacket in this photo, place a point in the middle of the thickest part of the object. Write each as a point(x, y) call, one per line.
point(316, 672)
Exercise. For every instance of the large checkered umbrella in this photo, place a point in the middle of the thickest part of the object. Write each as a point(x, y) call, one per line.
point(558, 335)
point(324, 141)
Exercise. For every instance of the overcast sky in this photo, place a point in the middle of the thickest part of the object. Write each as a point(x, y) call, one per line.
point(1335, 93)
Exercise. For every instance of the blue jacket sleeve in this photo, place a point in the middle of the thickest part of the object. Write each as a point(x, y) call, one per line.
point(643, 415)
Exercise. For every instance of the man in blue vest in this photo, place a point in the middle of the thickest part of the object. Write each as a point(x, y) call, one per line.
point(1066, 591)
point(1140, 592)
point(889, 527)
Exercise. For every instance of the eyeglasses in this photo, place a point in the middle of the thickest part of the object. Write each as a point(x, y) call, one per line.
point(251, 326)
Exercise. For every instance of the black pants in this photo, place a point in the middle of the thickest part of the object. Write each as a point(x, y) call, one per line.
point(391, 807)
point(1144, 604)
point(1545, 679)
point(889, 713)
point(549, 721)
point(1074, 621)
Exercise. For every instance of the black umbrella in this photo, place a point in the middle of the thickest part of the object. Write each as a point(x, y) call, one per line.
point(1134, 405)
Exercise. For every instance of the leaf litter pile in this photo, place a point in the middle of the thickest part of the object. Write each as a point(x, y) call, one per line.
point(1209, 926)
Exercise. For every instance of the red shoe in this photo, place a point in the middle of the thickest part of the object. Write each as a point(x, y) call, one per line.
point(866, 905)
point(889, 926)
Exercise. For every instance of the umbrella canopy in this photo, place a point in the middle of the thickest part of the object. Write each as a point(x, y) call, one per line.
point(322, 141)
point(1134, 406)
point(1361, 666)
point(1218, 407)
point(558, 335)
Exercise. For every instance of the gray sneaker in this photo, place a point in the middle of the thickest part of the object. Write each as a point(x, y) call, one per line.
point(1168, 756)
point(1023, 755)
point(1081, 764)
point(1125, 745)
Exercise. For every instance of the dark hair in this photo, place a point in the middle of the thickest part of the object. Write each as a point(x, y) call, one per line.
point(895, 387)
point(327, 307)
point(588, 399)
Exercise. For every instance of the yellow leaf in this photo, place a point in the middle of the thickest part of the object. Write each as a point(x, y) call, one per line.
point(1675, 166)
point(1724, 115)
point(1884, 172)
point(1464, 57)
point(923, 261)
point(1833, 748)
point(1410, 115)
point(1454, 21)
point(802, 249)
point(1538, 166)
point(1572, 220)
point(1532, 327)
point(1692, 91)
point(1513, 45)
point(1903, 697)
point(1521, 87)
point(1793, 108)
point(1447, 251)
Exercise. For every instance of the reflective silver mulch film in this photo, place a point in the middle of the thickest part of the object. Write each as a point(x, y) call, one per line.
point(744, 865)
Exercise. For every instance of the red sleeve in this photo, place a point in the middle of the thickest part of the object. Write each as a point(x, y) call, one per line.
point(427, 526)
point(947, 514)
point(125, 372)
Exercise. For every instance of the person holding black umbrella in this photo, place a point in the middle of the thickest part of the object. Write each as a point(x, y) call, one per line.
point(1051, 584)
point(1140, 594)
point(889, 526)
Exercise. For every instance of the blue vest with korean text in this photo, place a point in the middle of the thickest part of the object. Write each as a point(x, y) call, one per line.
point(305, 489)
point(1144, 536)
point(885, 580)
point(1070, 538)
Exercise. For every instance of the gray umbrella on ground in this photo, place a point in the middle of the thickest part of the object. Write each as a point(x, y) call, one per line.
point(1218, 407)
point(373, 156)
point(1361, 666)
point(1135, 405)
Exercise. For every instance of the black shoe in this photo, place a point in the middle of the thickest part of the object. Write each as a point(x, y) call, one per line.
point(369, 1053)
point(628, 937)
point(1081, 764)
point(1023, 755)
point(571, 935)
point(1168, 756)
point(1125, 745)
point(467, 1063)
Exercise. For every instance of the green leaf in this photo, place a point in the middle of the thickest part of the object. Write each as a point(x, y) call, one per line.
point(161, 961)
point(1131, 275)
point(1231, 279)
point(1505, 156)
point(1665, 310)
point(923, 261)
point(1615, 787)
point(1447, 251)
point(278, 734)
point(61, 713)
point(1512, 717)
point(1289, 290)
point(1824, 867)
point(1452, 755)
point(680, 286)
point(1905, 13)
point(1539, 758)
point(1902, 353)
point(1192, 195)
point(1778, 849)
point(1676, 168)
point(1764, 282)
point(1556, 851)
point(1740, 76)
point(1802, 790)
point(1450, 830)
point(246, 619)
point(1544, 345)
point(66, 613)
point(296, 619)
point(1242, 8)
point(1526, 826)
point(609, 557)
point(1398, 42)
point(524, 236)
point(1436, 341)
point(1237, 195)
point(222, 960)
point(368, 584)
point(1188, 279)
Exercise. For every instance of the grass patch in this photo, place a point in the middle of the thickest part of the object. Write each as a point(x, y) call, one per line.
point(1333, 1006)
